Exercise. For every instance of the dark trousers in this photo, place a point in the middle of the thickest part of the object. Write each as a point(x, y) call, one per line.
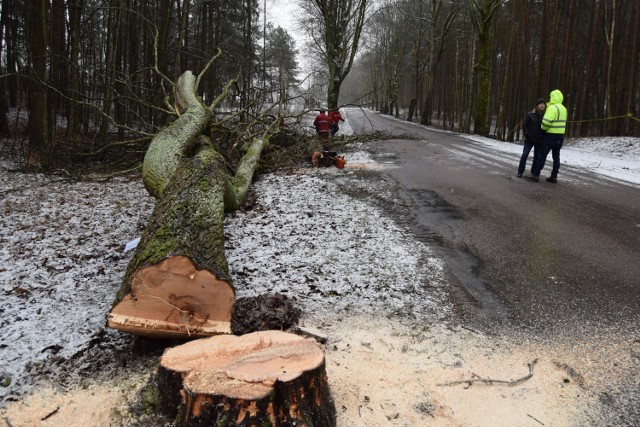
point(525, 155)
point(550, 142)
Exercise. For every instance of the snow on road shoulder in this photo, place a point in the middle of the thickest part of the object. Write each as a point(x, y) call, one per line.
point(331, 252)
point(62, 259)
point(615, 157)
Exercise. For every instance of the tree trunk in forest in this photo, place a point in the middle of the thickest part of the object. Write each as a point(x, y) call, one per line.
point(263, 378)
point(4, 109)
point(333, 92)
point(4, 104)
point(39, 135)
point(482, 17)
point(412, 109)
point(483, 80)
point(610, 31)
point(633, 42)
point(437, 42)
point(112, 34)
point(337, 26)
point(58, 62)
point(178, 284)
point(75, 19)
point(11, 32)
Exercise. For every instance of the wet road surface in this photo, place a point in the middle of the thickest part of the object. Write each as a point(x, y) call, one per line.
point(538, 257)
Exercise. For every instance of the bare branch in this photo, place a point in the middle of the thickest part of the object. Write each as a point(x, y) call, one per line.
point(490, 381)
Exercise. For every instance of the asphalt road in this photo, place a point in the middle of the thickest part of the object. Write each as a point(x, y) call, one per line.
point(537, 257)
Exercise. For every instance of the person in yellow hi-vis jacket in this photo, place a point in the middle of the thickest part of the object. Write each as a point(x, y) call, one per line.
point(554, 124)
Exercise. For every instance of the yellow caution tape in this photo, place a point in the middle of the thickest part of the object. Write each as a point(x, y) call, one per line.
point(628, 115)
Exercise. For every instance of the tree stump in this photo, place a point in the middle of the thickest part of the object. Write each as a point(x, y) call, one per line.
point(263, 378)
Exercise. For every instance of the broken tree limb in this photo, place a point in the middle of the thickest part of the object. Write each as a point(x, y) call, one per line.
point(492, 381)
point(238, 186)
point(262, 378)
point(50, 414)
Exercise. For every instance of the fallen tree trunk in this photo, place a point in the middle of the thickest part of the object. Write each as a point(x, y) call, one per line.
point(177, 285)
point(263, 378)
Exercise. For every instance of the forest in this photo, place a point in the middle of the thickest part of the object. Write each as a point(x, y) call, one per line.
point(90, 72)
point(476, 66)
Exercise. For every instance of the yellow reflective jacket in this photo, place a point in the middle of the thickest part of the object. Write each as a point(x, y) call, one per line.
point(555, 117)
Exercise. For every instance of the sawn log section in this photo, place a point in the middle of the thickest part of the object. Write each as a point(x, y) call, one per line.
point(177, 285)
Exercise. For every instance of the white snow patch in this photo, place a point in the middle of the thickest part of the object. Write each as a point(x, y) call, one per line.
point(615, 157)
point(331, 252)
point(61, 262)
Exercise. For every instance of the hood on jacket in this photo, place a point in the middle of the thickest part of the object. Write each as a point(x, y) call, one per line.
point(555, 97)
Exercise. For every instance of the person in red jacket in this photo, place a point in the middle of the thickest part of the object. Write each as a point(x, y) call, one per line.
point(335, 117)
point(322, 124)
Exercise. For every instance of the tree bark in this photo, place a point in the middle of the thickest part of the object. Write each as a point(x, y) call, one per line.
point(4, 104)
point(176, 140)
point(437, 42)
point(340, 24)
point(37, 30)
point(73, 112)
point(178, 284)
point(482, 17)
point(263, 378)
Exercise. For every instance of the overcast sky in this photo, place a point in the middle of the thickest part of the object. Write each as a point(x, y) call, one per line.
point(283, 13)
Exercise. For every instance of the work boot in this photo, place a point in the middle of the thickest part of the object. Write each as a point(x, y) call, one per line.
point(532, 178)
point(552, 179)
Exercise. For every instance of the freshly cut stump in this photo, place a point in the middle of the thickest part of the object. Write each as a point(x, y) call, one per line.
point(263, 378)
point(173, 300)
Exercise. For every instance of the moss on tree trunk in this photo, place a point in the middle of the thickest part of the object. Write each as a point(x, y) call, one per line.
point(188, 220)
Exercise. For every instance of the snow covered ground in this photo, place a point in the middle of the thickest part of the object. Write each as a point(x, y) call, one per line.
point(314, 235)
point(61, 252)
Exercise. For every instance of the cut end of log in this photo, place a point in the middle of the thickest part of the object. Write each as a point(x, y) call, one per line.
point(174, 300)
point(270, 377)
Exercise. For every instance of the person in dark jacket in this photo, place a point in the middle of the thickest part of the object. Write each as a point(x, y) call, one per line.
point(554, 126)
point(532, 134)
